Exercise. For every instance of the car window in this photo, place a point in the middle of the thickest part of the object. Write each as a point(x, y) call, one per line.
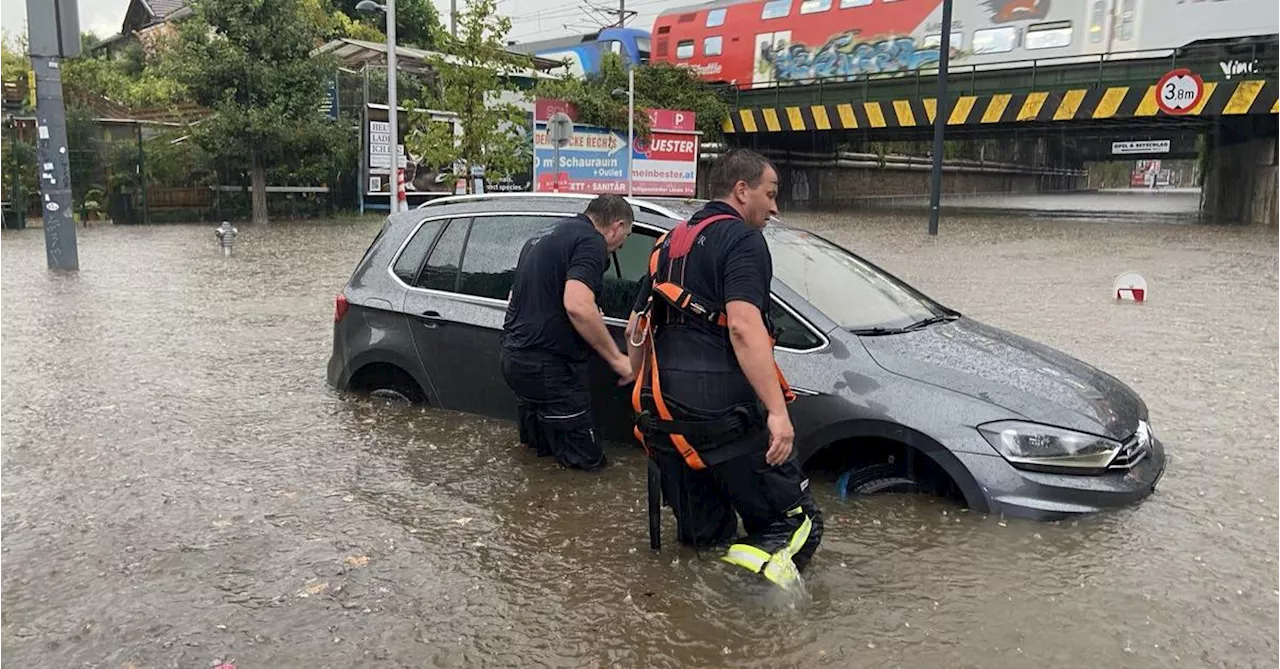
point(489, 261)
point(627, 266)
point(849, 290)
point(790, 332)
point(442, 266)
point(410, 260)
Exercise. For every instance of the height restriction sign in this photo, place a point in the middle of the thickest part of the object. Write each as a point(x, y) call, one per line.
point(1179, 91)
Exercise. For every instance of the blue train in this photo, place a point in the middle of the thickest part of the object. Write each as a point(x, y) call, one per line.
point(583, 53)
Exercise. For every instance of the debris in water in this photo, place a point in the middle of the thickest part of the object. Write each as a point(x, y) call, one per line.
point(356, 560)
point(462, 521)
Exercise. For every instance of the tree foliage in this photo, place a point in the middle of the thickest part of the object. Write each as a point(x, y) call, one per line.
point(657, 86)
point(250, 62)
point(473, 81)
point(417, 22)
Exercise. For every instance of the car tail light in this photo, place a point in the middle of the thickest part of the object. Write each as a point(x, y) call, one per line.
point(339, 307)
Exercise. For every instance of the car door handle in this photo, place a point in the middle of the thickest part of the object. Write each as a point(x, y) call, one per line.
point(432, 319)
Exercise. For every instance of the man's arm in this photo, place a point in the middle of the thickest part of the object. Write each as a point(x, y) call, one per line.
point(580, 304)
point(748, 268)
point(754, 350)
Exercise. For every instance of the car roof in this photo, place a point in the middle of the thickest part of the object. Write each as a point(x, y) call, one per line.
point(663, 211)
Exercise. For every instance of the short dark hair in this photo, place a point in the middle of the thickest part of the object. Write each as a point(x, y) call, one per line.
point(606, 209)
point(734, 166)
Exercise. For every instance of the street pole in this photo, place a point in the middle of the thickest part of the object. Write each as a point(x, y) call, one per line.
point(453, 18)
point(55, 168)
point(940, 119)
point(392, 103)
point(631, 119)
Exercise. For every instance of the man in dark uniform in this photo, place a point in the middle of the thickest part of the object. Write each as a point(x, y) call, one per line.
point(717, 421)
point(552, 318)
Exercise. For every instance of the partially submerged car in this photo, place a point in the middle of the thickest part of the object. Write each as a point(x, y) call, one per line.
point(896, 392)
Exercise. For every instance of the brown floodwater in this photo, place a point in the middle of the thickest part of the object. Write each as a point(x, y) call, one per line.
point(180, 486)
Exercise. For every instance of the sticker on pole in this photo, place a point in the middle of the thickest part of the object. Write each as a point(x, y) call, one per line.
point(1130, 287)
point(1179, 91)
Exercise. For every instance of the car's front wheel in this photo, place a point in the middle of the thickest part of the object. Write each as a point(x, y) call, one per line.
point(876, 479)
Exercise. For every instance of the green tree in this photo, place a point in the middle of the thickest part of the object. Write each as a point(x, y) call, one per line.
point(474, 80)
point(417, 22)
point(658, 86)
point(250, 62)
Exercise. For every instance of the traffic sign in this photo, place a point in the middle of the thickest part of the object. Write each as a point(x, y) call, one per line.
point(1130, 287)
point(1179, 91)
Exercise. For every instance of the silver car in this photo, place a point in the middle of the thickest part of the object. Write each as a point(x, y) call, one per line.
point(897, 393)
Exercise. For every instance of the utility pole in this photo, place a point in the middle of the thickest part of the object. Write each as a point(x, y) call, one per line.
point(940, 119)
point(53, 34)
point(453, 18)
point(622, 13)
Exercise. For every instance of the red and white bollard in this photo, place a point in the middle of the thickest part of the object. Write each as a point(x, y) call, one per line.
point(400, 196)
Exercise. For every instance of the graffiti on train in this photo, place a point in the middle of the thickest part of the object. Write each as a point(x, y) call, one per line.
point(843, 56)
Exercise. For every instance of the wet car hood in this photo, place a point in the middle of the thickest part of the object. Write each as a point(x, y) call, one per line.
point(1039, 383)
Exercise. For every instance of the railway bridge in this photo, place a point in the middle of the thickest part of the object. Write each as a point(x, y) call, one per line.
point(1219, 105)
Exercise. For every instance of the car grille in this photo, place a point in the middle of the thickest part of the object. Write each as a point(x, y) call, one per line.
point(1133, 451)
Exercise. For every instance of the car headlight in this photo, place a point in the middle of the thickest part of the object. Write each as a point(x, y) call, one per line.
point(1048, 448)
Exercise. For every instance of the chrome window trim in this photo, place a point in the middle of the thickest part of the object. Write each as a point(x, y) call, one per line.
point(823, 340)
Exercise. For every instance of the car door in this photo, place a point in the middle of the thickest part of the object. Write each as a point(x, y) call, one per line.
point(458, 308)
point(611, 404)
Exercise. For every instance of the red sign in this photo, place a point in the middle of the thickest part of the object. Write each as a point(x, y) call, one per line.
point(1179, 91)
point(545, 108)
point(669, 119)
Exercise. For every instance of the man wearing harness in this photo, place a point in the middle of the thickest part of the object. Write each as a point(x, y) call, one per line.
point(711, 404)
point(552, 317)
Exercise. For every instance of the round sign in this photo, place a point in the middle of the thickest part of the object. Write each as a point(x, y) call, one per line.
point(1131, 287)
point(1179, 91)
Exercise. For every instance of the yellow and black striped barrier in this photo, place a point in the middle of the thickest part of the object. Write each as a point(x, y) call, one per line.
point(1078, 104)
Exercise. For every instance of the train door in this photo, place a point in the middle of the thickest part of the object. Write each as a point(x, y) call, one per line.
point(771, 57)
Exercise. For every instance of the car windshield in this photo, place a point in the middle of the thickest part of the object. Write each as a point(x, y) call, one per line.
point(849, 290)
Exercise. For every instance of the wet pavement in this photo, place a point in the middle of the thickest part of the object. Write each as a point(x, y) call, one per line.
point(180, 487)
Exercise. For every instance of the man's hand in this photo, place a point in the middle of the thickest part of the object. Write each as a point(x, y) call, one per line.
point(622, 367)
point(781, 436)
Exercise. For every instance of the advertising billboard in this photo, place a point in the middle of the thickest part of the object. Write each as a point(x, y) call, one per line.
point(596, 160)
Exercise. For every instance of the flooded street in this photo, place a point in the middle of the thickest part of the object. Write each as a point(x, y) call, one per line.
point(180, 486)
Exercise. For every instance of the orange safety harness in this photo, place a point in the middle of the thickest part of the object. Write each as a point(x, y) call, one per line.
point(688, 304)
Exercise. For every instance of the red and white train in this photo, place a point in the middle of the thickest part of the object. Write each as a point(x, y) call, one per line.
point(751, 43)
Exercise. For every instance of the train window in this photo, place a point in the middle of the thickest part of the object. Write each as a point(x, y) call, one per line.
point(642, 47)
point(995, 40)
point(684, 49)
point(715, 18)
point(845, 4)
point(814, 6)
point(935, 40)
point(776, 9)
point(1126, 20)
point(711, 46)
point(1048, 35)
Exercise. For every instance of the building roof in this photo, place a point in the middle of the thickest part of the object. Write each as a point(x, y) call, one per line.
point(354, 53)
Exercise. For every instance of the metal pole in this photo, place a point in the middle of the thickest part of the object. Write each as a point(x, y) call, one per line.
point(55, 169)
point(142, 179)
point(940, 119)
point(394, 200)
point(631, 119)
point(453, 18)
point(622, 13)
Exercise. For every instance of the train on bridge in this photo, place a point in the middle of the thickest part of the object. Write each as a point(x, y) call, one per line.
point(766, 43)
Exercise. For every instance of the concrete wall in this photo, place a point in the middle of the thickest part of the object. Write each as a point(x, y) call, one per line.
point(1240, 183)
point(829, 187)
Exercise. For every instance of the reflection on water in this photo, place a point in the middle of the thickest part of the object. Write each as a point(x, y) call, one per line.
point(181, 487)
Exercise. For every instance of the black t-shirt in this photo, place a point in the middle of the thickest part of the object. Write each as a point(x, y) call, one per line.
point(536, 319)
point(729, 261)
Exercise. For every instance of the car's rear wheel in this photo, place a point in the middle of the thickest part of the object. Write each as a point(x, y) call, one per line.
point(384, 381)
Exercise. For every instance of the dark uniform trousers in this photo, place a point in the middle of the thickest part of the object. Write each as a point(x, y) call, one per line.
point(553, 407)
point(778, 513)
